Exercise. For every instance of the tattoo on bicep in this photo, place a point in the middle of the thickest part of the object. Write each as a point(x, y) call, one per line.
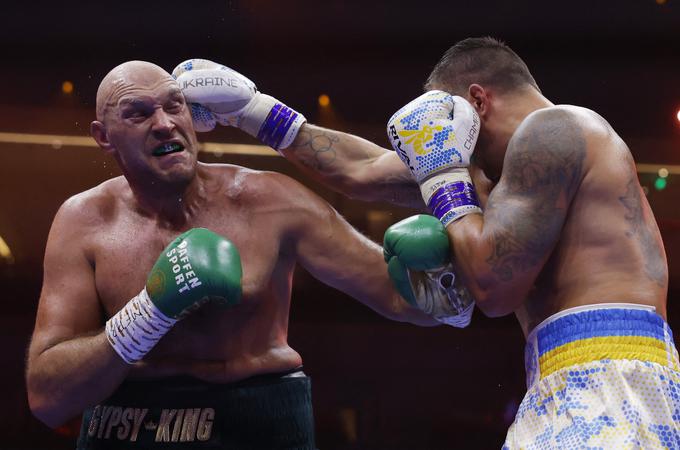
point(315, 149)
point(403, 191)
point(526, 211)
point(644, 231)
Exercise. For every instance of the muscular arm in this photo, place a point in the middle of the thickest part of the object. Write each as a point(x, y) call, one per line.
point(353, 166)
point(339, 256)
point(501, 252)
point(70, 363)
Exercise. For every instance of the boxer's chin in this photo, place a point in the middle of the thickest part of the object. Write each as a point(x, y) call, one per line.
point(176, 169)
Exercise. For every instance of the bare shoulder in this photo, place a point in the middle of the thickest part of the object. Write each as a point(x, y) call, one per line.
point(548, 148)
point(289, 208)
point(566, 118)
point(604, 148)
point(560, 118)
point(262, 189)
point(95, 204)
point(583, 120)
point(90, 211)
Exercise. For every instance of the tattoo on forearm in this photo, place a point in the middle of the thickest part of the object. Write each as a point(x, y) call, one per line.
point(526, 210)
point(644, 232)
point(404, 191)
point(315, 149)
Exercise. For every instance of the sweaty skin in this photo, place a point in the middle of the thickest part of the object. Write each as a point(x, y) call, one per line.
point(104, 241)
point(565, 224)
point(353, 166)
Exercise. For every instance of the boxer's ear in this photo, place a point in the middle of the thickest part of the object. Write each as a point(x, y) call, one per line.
point(98, 132)
point(479, 98)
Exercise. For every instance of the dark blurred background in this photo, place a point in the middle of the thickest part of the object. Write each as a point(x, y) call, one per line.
point(377, 384)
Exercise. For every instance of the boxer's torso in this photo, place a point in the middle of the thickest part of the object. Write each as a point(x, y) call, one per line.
point(610, 248)
point(212, 343)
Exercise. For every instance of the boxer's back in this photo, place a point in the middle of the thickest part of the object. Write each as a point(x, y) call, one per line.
point(212, 343)
point(610, 249)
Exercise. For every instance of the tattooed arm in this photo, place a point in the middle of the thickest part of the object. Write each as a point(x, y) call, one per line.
point(501, 252)
point(353, 166)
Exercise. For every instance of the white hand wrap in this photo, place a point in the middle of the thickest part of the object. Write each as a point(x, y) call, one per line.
point(137, 327)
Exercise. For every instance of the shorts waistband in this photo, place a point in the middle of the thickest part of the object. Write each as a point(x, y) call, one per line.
point(184, 381)
point(265, 411)
point(595, 333)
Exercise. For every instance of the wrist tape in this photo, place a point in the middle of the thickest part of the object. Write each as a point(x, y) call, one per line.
point(450, 196)
point(272, 122)
point(137, 327)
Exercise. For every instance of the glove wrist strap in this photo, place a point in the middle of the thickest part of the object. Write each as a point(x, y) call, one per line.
point(460, 320)
point(439, 293)
point(137, 327)
point(450, 195)
point(271, 121)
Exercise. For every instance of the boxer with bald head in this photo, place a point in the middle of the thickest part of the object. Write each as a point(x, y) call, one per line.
point(200, 354)
point(546, 220)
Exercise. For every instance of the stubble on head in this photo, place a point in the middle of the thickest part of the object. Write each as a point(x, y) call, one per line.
point(125, 78)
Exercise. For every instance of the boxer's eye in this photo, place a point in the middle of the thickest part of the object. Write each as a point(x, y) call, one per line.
point(134, 114)
point(174, 107)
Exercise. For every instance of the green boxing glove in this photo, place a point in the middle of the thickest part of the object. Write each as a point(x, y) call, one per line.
point(419, 264)
point(197, 267)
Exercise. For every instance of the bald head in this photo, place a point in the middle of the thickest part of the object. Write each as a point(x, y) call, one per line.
point(124, 79)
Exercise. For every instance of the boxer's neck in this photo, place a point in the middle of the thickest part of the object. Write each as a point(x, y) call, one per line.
point(514, 108)
point(171, 204)
point(504, 117)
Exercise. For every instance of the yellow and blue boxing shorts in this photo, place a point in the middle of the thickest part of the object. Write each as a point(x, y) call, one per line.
point(600, 377)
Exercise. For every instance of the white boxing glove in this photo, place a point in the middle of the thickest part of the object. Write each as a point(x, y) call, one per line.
point(218, 94)
point(440, 294)
point(435, 135)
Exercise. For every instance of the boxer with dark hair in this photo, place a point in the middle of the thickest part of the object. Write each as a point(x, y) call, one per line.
point(166, 293)
point(555, 229)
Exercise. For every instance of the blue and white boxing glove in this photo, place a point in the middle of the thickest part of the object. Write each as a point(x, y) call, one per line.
point(218, 94)
point(435, 135)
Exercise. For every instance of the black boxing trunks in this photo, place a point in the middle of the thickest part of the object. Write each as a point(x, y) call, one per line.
point(271, 411)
